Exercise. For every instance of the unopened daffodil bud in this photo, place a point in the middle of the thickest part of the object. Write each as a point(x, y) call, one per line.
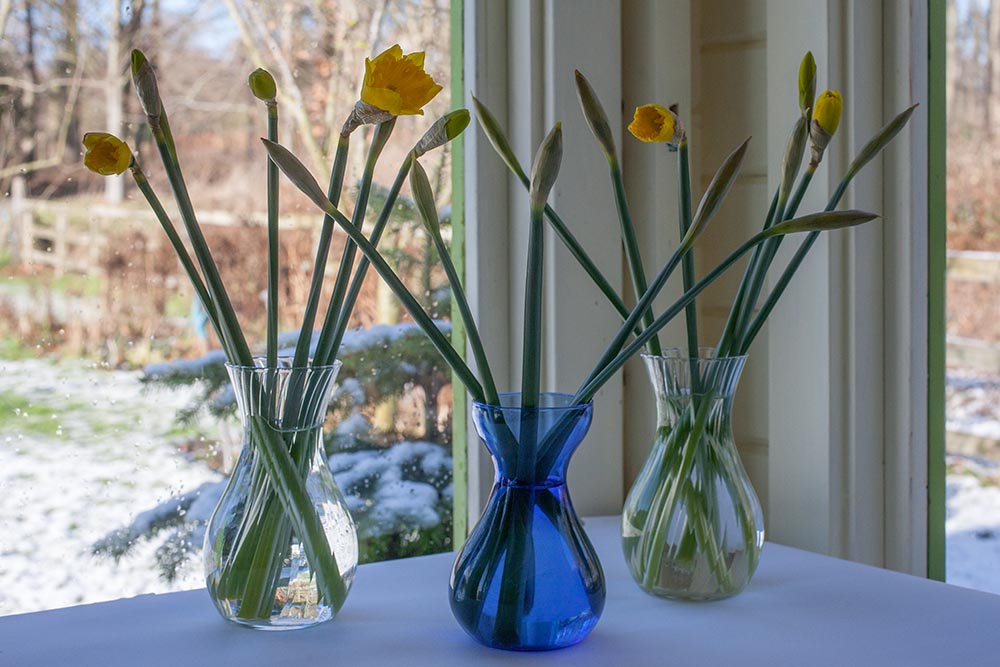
point(653, 123)
point(106, 154)
point(397, 83)
point(545, 168)
point(444, 129)
point(825, 121)
point(262, 85)
point(807, 82)
point(145, 86)
point(596, 118)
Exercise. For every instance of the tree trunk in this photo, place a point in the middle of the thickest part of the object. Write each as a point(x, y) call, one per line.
point(5, 7)
point(993, 67)
point(952, 66)
point(114, 186)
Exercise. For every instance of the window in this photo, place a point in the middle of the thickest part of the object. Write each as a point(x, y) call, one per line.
point(116, 430)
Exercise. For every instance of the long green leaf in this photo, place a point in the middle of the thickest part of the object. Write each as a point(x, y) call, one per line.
point(716, 193)
point(821, 222)
point(424, 197)
point(491, 127)
point(303, 180)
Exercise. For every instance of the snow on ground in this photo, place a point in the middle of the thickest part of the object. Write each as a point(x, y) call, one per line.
point(973, 488)
point(973, 533)
point(82, 450)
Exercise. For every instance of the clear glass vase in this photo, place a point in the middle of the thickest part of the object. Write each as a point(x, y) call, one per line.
point(528, 578)
point(281, 548)
point(692, 527)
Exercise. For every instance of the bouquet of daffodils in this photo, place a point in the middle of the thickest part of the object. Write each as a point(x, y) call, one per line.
point(538, 452)
point(394, 85)
point(670, 509)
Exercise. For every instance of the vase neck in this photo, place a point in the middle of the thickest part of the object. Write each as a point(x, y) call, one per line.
point(680, 383)
point(288, 399)
point(532, 446)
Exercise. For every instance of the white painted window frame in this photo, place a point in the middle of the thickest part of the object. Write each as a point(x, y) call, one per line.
point(847, 445)
point(519, 60)
point(848, 345)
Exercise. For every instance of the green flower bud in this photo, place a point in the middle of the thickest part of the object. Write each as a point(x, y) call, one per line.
point(596, 118)
point(262, 85)
point(145, 86)
point(807, 82)
point(444, 129)
point(545, 170)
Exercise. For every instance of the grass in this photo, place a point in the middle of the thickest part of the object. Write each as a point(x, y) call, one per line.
point(14, 350)
point(18, 414)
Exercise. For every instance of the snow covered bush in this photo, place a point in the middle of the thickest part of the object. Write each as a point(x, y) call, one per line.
point(398, 487)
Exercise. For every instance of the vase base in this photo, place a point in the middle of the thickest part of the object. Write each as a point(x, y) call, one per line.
point(280, 623)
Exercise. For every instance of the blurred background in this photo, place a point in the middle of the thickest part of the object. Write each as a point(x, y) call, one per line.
point(116, 426)
point(973, 293)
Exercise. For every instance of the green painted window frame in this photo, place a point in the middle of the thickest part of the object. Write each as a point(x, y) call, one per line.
point(459, 423)
point(937, 244)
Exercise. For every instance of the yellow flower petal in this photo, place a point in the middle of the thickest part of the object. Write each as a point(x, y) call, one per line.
point(653, 123)
point(397, 83)
point(827, 112)
point(106, 154)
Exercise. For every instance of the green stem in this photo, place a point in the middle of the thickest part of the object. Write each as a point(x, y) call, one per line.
point(272, 241)
point(531, 361)
point(304, 343)
point(687, 264)
point(632, 254)
point(616, 344)
point(786, 276)
point(440, 342)
point(592, 385)
point(281, 470)
point(769, 250)
point(201, 292)
point(328, 347)
point(576, 249)
point(471, 330)
point(729, 333)
point(335, 309)
point(213, 281)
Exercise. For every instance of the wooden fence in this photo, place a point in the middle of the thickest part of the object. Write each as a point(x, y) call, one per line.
point(69, 237)
point(977, 267)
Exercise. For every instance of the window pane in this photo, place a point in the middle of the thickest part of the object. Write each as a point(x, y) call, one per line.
point(117, 427)
point(973, 297)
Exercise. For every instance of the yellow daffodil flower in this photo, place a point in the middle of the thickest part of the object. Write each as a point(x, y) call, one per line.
point(106, 154)
point(397, 83)
point(653, 124)
point(827, 111)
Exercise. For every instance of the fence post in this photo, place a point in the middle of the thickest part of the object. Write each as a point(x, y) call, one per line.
point(60, 243)
point(18, 215)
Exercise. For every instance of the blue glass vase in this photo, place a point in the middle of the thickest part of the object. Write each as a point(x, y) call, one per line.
point(528, 578)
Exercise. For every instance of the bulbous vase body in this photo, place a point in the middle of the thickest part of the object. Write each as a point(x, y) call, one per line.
point(528, 577)
point(692, 527)
point(268, 566)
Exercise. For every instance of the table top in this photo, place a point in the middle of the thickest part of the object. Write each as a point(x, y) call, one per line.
point(800, 609)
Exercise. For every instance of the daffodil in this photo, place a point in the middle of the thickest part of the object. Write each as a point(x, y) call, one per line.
point(653, 124)
point(397, 83)
point(827, 112)
point(106, 154)
point(825, 121)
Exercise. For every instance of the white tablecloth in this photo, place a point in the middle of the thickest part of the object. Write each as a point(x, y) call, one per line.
point(800, 609)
